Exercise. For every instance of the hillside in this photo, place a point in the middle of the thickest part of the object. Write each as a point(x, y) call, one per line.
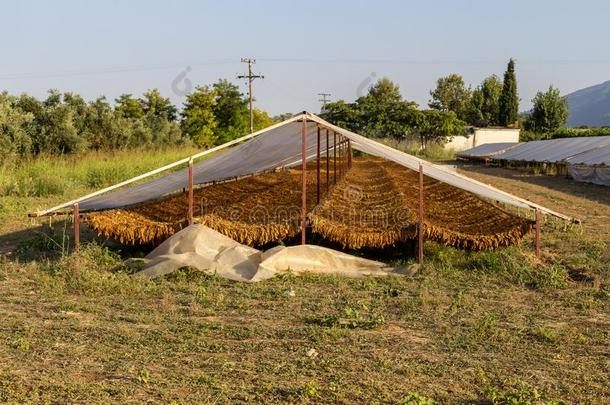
point(590, 106)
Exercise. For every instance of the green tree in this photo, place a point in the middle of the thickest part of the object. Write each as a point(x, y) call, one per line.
point(153, 103)
point(105, 127)
point(56, 131)
point(261, 119)
point(282, 117)
point(550, 111)
point(437, 126)
point(451, 94)
point(198, 119)
point(231, 111)
point(509, 100)
point(15, 141)
point(129, 107)
point(485, 102)
point(383, 112)
point(344, 115)
point(163, 131)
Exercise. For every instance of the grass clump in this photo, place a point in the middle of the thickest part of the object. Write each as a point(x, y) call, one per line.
point(414, 398)
point(520, 395)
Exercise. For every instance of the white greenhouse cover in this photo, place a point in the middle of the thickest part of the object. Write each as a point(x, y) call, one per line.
point(273, 148)
point(553, 150)
point(594, 157)
point(487, 150)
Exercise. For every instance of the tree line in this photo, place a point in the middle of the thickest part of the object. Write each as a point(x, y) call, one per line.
point(65, 123)
point(216, 113)
point(453, 106)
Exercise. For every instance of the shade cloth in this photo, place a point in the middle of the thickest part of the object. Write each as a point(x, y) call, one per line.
point(280, 146)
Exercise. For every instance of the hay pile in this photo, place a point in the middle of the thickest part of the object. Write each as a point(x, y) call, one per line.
point(374, 205)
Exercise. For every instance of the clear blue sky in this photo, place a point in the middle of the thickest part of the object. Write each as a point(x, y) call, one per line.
point(303, 48)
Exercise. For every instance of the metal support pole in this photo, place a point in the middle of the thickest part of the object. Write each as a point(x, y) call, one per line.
point(349, 154)
point(76, 228)
point(318, 166)
point(190, 193)
point(420, 226)
point(344, 156)
point(303, 179)
point(341, 157)
point(537, 243)
point(327, 162)
point(334, 158)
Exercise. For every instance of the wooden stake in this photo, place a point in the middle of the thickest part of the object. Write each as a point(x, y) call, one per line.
point(190, 193)
point(318, 166)
point(303, 179)
point(537, 242)
point(420, 226)
point(76, 228)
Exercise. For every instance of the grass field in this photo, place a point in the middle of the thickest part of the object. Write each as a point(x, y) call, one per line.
point(499, 327)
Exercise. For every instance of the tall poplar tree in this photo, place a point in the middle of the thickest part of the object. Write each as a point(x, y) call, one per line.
point(509, 101)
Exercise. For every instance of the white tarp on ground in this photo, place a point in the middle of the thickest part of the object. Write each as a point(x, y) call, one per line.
point(203, 248)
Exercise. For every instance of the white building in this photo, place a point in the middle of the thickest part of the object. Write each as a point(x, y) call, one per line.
point(480, 136)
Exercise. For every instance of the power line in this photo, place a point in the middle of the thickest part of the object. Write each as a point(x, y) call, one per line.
point(141, 68)
point(324, 100)
point(250, 78)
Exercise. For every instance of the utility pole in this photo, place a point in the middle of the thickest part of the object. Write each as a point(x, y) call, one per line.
point(250, 78)
point(325, 99)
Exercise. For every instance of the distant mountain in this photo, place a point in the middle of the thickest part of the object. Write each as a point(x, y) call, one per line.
point(590, 106)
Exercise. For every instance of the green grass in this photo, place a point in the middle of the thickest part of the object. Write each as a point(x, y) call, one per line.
point(54, 176)
point(495, 327)
point(47, 180)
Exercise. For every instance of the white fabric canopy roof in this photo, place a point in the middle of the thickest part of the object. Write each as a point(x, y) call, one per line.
point(553, 150)
point(275, 147)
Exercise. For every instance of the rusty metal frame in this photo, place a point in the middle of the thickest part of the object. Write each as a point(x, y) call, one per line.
point(420, 224)
point(76, 215)
point(327, 161)
point(537, 241)
point(303, 180)
point(190, 193)
point(318, 167)
point(349, 154)
point(334, 158)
